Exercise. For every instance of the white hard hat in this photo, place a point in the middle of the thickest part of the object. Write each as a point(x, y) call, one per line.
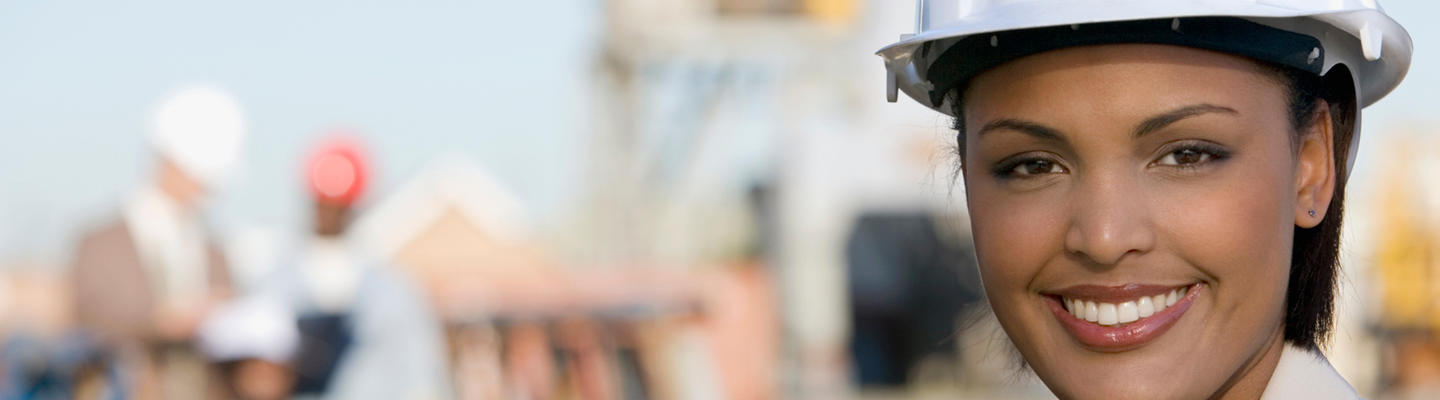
point(956, 39)
point(201, 128)
point(251, 328)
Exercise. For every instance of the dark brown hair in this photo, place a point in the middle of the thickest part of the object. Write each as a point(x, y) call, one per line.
point(1315, 256)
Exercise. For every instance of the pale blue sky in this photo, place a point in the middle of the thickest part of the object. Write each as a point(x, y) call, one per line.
point(502, 82)
point(1414, 102)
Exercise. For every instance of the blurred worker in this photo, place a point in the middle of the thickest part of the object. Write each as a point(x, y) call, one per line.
point(253, 341)
point(144, 281)
point(366, 331)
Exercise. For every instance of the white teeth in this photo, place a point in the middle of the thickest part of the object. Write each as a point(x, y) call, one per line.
point(1125, 312)
point(1107, 314)
point(1145, 307)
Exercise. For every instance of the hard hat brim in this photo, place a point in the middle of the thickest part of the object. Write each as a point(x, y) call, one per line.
point(1372, 45)
point(974, 54)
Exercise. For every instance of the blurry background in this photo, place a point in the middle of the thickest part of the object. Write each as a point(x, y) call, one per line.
point(711, 197)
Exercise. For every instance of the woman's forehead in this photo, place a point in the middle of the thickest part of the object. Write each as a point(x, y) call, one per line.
point(1119, 81)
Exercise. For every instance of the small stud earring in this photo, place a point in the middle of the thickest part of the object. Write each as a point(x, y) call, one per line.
point(1312, 213)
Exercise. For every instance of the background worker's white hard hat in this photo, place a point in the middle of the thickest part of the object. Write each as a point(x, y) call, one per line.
point(1373, 49)
point(250, 328)
point(201, 128)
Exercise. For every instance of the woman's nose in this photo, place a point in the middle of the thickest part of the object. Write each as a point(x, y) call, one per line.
point(1109, 220)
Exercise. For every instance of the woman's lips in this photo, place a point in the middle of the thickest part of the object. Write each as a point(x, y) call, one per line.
point(1114, 319)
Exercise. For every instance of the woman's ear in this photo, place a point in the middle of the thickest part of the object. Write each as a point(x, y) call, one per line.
point(1315, 169)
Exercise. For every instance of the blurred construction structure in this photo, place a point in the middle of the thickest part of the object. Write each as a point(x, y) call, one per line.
point(741, 129)
point(1406, 271)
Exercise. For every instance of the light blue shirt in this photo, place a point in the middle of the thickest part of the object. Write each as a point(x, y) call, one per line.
point(397, 351)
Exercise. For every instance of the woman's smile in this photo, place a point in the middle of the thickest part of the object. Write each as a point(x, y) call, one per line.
point(1120, 318)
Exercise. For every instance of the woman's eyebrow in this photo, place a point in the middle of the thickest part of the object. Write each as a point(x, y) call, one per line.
point(1160, 121)
point(1151, 124)
point(1037, 130)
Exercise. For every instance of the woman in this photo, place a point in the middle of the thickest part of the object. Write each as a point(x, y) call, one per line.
point(1155, 188)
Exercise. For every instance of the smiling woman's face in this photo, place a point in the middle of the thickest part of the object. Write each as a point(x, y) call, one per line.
point(1133, 209)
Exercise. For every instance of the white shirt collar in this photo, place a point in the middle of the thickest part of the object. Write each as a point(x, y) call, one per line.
point(170, 244)
point(331, 275)
point(1306, 374)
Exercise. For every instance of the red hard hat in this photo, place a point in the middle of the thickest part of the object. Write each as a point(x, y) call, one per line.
point(337, 170)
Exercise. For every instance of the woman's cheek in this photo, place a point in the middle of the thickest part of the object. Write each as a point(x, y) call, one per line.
point(1236, 229)
point(1015, 235)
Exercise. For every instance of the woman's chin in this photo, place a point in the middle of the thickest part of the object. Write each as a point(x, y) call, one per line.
point(1138, 388)
point(1144, 374)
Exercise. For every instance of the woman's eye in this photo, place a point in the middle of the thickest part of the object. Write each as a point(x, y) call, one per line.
point(1187, 157)
point(1036, 167)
